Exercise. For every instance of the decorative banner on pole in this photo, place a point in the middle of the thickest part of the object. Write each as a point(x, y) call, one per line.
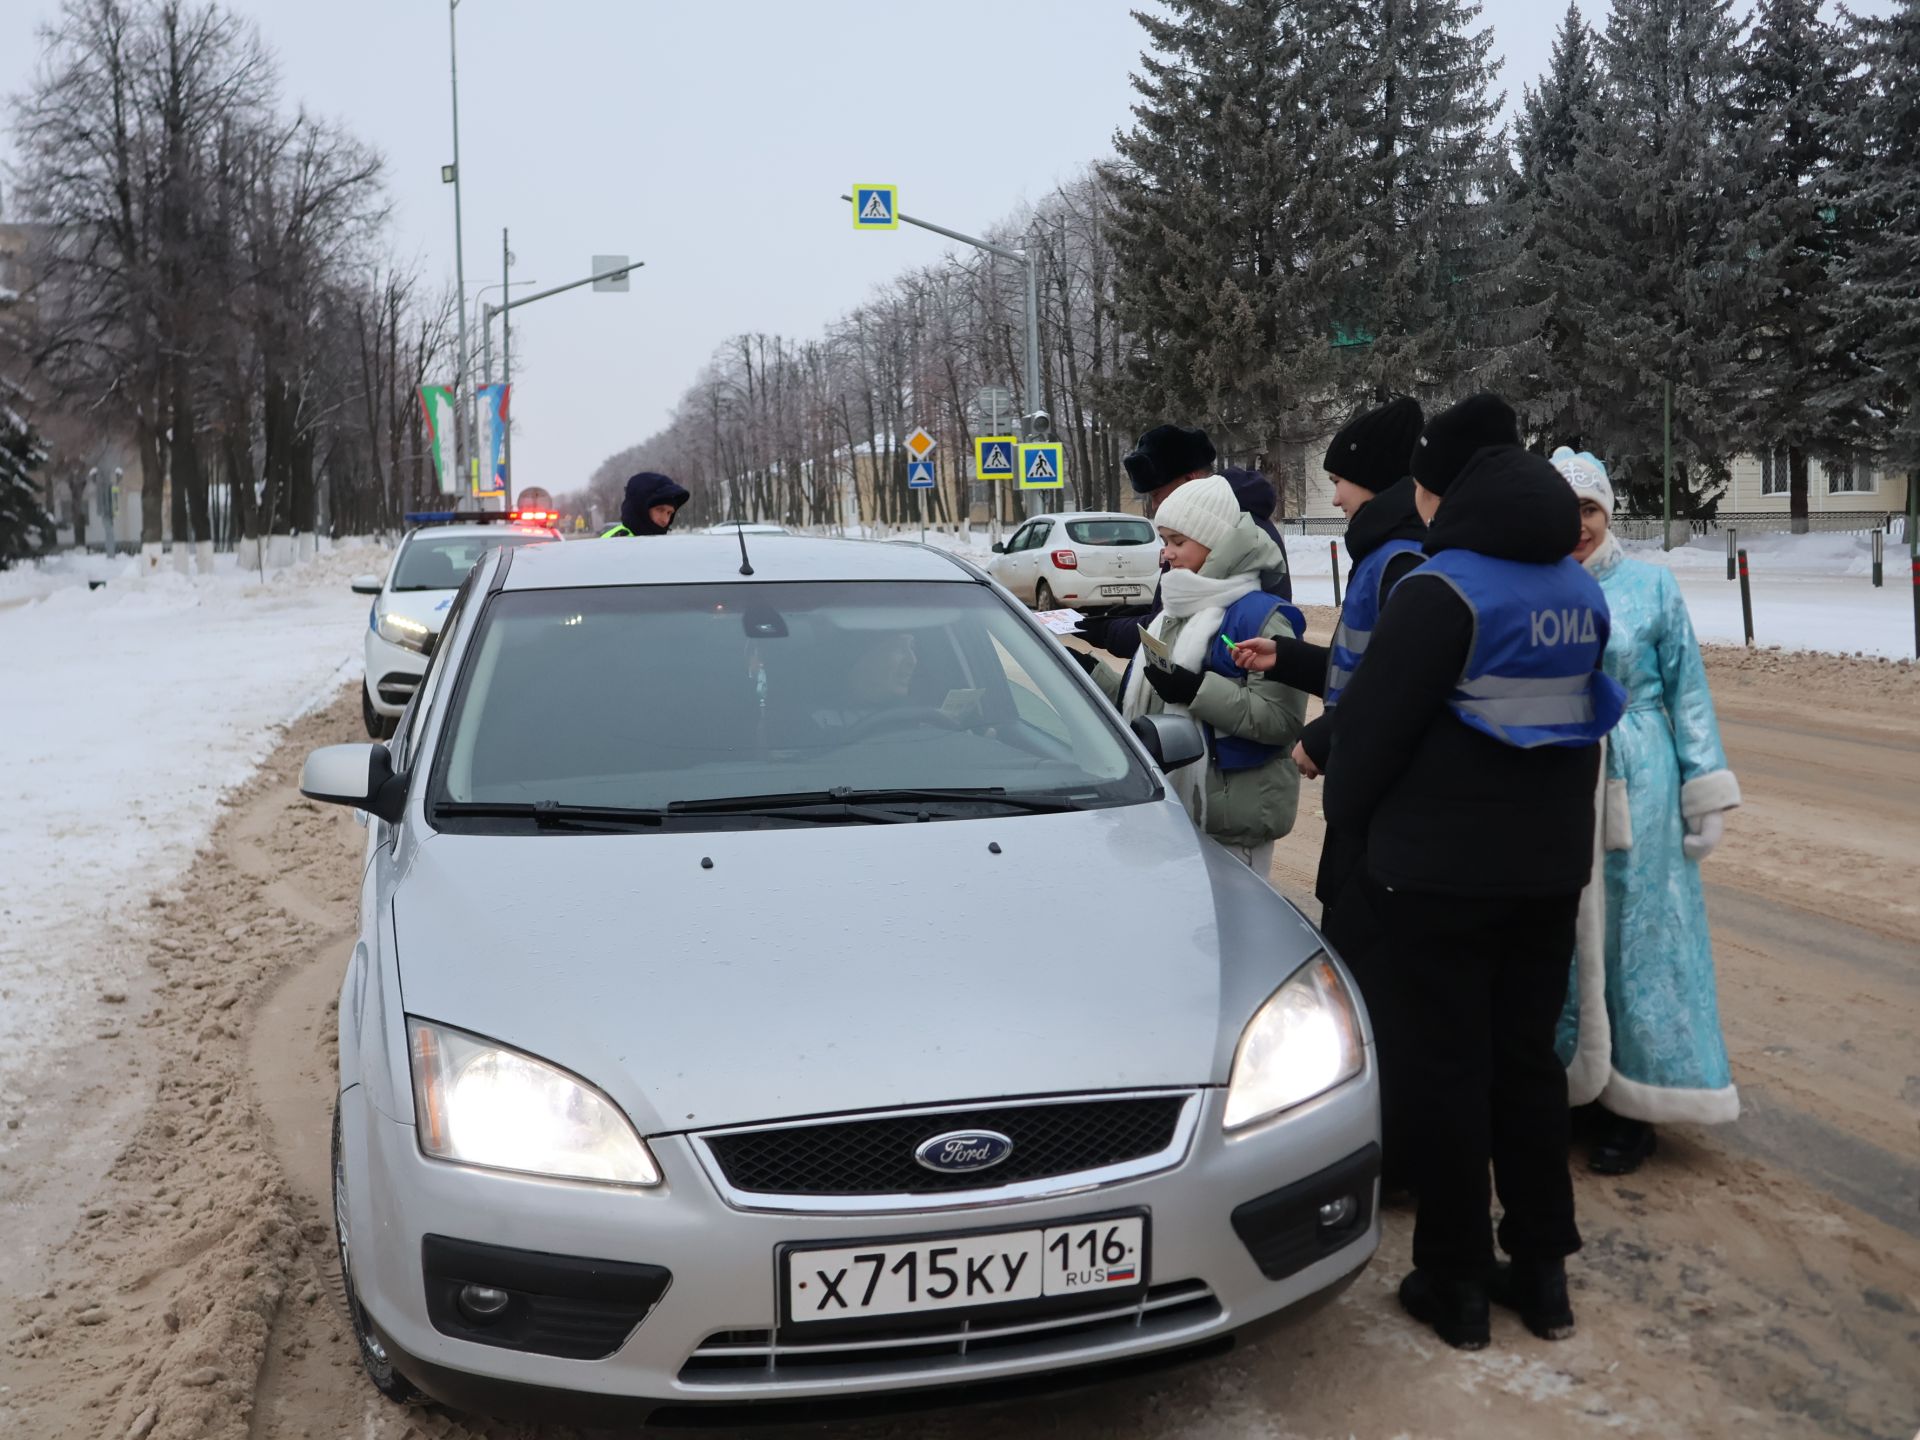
point(437, 408)
point(491, 443)
point(993, 457)
point(1042, 467)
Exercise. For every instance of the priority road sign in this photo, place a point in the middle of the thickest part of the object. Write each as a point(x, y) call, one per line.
point(920, 444)
point(874, 208)
point(1042, 467)
point(993, 457)
point(920, 474)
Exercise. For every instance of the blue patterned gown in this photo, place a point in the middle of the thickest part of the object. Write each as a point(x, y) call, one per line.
point(1641, 1030)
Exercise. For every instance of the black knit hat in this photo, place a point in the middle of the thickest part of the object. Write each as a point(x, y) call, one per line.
point(1373, 448)
point(1454, 436)
point(1164, 454)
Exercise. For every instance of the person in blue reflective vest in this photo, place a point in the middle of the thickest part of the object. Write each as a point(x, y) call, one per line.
point(1467, 751)
point(649, 507)
point(1367, 462)
point(1246, 795)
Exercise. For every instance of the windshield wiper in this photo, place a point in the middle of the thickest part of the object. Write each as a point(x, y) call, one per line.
point(847, 798)
point(552, 815)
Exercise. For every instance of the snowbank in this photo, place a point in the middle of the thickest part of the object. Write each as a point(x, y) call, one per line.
point(127, 711)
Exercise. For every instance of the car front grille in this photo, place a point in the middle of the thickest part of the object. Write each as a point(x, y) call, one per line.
point(874, 1155)
point(747, 1357)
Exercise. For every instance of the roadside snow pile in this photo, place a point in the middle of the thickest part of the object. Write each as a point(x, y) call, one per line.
point(128, 711)
point(1810, 592)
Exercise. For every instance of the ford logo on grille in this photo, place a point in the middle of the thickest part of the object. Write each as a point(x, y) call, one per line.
point(959, 1151)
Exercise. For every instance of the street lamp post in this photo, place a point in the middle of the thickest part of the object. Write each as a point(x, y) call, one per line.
point(459, 253)
point(508, 304)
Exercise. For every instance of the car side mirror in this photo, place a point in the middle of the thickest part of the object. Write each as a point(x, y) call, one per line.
point(1172, 740)
point(998, 548)
point(366, 584)
point(357, 775)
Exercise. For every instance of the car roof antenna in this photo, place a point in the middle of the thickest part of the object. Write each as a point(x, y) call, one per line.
point(740, 534)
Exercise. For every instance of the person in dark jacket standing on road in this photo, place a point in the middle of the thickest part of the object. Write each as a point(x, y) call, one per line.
point(1167, 457)
point(649, 507)
point(1368, 463)
point(1466, 751)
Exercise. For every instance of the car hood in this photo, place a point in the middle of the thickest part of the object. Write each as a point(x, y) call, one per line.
point(812, 970)
point(429, 607)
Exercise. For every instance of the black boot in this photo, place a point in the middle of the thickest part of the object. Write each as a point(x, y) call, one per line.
point(1622, 1145)
point(1537, 1289)
point(1456, 1309)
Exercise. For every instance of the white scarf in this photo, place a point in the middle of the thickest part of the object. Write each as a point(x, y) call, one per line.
point(1202, 603)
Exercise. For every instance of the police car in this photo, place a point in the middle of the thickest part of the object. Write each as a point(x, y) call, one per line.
point(411, 604)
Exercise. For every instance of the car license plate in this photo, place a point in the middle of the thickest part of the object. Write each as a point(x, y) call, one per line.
point(1120, 590)
point(965, 1272)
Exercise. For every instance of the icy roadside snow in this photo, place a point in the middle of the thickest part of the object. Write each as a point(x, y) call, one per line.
point(128, 711)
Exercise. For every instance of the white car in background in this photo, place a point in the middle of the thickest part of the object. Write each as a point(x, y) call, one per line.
point(410, 605)
point(1087, 559)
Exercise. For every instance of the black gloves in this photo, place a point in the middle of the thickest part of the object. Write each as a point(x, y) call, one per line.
point(1093, 630)
point(1086, 662)
point(1175, 686)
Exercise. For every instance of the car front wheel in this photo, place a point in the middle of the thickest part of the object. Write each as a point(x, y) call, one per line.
point(379, 727)
point(373, 1355)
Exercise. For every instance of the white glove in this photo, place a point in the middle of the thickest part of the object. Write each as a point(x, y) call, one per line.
point(1703, 835)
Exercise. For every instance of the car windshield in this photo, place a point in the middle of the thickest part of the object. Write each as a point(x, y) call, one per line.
point(644, 698)
point(1111, 532)
point(441, 562)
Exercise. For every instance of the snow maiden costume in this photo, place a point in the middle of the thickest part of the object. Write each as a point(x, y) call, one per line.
point(1641, 1029)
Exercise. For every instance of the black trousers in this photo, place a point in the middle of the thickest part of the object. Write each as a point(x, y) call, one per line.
point(1352, 923)
point(1480, 984)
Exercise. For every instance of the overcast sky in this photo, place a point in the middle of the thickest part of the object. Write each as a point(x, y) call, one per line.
point(709, 140)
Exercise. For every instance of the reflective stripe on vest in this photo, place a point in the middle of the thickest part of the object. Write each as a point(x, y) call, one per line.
point(1538, 634)
point(615, 533)
point(1359, 614)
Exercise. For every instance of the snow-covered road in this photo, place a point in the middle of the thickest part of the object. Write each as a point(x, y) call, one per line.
point(127, 711)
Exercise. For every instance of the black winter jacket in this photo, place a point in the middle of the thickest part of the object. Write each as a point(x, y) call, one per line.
point(1445, 808)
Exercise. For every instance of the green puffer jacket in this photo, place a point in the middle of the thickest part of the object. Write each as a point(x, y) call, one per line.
point(1244, 807)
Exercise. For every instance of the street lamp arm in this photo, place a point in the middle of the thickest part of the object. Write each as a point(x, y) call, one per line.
point(561, 289)
point(972, 240)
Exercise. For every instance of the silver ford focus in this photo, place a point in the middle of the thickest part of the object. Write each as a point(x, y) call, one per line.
point(710, 1040)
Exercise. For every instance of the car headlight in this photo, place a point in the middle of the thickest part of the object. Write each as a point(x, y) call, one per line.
point(482, 1104)
point(1304, 1041)
point(408, 634)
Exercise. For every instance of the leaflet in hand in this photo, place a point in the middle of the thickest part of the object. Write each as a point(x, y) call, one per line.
point(1158, 654)
point(1060, 622)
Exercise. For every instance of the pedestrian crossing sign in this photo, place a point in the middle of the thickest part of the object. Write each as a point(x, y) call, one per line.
point(920, 474)
point(873, 207)
point(1042, 467)
point(993, 457)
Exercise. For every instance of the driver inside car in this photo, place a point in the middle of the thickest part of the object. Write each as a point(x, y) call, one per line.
point(879, 679)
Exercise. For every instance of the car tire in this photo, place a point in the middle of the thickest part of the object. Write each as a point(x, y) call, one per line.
point(1043, 597)
point(379, 727)
point(373, 1355)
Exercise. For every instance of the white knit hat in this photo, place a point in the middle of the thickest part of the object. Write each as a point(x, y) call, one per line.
point(1205, 510)
point(1584, 472)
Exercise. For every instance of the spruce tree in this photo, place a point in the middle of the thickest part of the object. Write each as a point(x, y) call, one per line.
point(1640, 247)
point(1874, 192)
point(1798, 394)
point(1420, 191)
point(25, 528)
point(1553, 127)
point(1223, 202)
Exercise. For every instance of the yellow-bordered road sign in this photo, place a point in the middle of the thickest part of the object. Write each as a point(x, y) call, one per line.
point(874, 207)
point(995, 456)
point(1043, 467)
